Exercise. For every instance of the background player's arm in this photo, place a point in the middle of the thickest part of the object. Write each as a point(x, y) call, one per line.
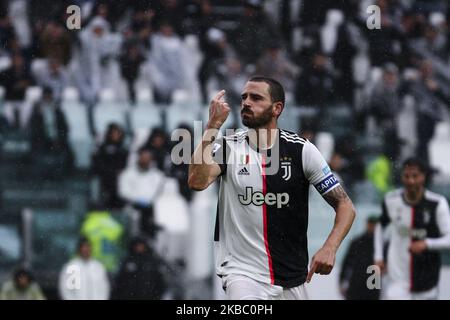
point(203, 170)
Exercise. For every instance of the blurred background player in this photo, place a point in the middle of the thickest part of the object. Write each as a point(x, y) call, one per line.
point(420, 226)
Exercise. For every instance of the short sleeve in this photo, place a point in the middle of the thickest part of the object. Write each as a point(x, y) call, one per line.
point(220, 154)
point(316, 169)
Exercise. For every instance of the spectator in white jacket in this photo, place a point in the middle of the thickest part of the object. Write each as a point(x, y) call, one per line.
point(140, 185)
point(166, 58)
point(84, 278)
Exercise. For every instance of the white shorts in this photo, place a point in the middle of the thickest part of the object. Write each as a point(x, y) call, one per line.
point(240, 287)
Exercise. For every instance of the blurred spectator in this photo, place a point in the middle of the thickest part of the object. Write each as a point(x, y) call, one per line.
point(49, 131)
point(316, 83)
point(7, 32)
point(54, 76)
point(96, 50)
point(140, 185)
point(274, 63)
point(171, 11)
point(352, 164)
point(429, 96)
point(21, 287)
point(83, 278)
point(313, 12)
point(16, 79)
point(343, 57)
point(384, 105)
point(214, 44)
point(353, 275)
point(180, 171)
point(433, 41)
point(141, 275)
point(130, 63)
point(158, 144)
point(337, 165)
point(379, 173)
point(166, 57)
point(43, 10)
point(384, 43)
point(107, 162)
point(104, 234)
point(254, 32)
point(55, 42)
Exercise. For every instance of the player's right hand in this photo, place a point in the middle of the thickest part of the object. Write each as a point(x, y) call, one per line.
point(218, 111)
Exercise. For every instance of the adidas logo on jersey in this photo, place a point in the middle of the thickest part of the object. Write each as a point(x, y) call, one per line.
point(243, 172)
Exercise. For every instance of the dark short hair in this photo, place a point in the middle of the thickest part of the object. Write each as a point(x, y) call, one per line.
point(415, 162)
point(81, 242)
point(22, 272)
point(276, 90)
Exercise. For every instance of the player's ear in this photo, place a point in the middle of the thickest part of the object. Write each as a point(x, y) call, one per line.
point(278, 108)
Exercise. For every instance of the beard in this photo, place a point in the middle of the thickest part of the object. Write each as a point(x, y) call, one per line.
point(249, 120)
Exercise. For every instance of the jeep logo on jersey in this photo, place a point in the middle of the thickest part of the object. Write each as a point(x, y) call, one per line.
point(258, 199)
point(286, 166)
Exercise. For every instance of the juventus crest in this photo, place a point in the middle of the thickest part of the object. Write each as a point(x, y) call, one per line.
point(286, 166)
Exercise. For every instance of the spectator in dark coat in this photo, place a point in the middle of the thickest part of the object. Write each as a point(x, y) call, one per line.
point(16, 79)
point(353, 276)
point(158, 144)
point(316, 84)
point(107, 162)
point(49, 131)
point(141, 275)
point(130, 63)
point(254, 33)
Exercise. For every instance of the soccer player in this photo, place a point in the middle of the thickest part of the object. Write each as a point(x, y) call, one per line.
point(419, 223)
point(262, 215)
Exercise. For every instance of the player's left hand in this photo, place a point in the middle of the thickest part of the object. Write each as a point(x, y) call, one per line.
point(418, 247)
point(322, 262)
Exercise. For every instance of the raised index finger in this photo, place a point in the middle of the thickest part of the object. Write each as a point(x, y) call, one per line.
point(219, 95)
point(311, 272)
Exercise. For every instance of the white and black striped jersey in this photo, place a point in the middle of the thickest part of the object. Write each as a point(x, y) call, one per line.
point(428, 220)
point(262, 212)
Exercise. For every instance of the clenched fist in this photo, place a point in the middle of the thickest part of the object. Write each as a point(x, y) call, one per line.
point(218, 111)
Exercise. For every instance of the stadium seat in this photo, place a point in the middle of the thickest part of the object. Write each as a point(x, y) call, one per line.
point(33, 94)
point(70, 94)
point(104, 114)
point(178, 114)
point(145, 117)
point(107, 95)
point(144, 96)
point(5, 63)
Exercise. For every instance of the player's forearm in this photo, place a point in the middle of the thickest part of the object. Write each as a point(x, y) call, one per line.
point(345, 215)
point(438, 243)
point(202, 163)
